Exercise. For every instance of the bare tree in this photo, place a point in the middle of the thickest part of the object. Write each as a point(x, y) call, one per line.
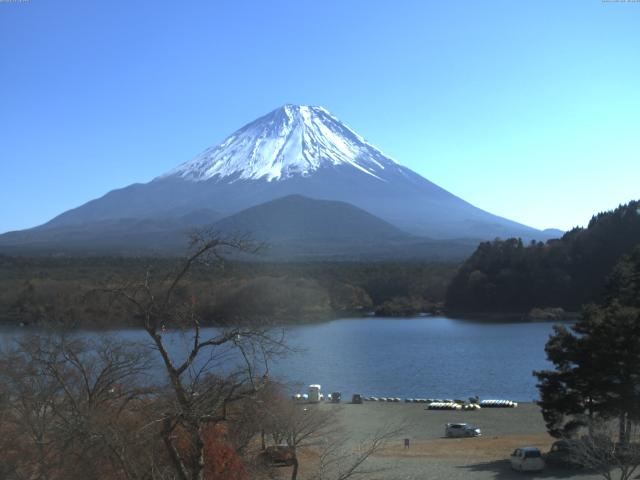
point(202, 385)
point(300, 427)
point(339, 462)
point(315, 430)
point(75, 409)
point(598, 451)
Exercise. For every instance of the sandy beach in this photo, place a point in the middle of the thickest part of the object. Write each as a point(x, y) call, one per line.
point(433, 456)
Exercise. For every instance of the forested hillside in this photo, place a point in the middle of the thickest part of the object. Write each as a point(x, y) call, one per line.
point(75, 290)
point(508, 276)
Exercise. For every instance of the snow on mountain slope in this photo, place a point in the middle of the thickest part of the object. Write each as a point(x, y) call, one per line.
point(290, 141)
point(293, 150)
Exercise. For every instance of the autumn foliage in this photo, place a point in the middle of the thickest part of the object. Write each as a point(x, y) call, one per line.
point(222, 462)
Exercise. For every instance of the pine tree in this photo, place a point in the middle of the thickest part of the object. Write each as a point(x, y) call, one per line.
point(597, 360)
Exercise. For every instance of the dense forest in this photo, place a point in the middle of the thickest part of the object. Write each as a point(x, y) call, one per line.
point(502, 276)
point(75, 291)
point(508, 276)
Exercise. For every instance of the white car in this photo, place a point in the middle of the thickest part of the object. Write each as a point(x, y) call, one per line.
point(527, 459)
point(461, 430)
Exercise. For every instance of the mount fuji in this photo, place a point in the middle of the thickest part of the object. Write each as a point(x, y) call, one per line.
point(291, 151)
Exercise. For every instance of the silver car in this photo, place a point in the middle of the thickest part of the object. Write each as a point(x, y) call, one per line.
point(461, 430)
point(527, 459)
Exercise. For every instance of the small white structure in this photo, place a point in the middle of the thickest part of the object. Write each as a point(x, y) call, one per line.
point(314, 393)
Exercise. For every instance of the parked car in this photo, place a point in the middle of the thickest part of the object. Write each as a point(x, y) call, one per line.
point(356, 398)
point(527, 459)
point(461, 430)
point(561, 454)
point(279, 455)
point(627, 452)
point(336, 397)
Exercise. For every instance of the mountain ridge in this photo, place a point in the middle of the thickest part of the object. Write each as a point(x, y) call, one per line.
point(292, 150)
point(292, 228)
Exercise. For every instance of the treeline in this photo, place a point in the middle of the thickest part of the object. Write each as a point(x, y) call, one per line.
point(36, 290)
point(508, 276)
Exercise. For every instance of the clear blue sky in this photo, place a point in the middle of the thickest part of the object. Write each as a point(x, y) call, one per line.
point(528, 109)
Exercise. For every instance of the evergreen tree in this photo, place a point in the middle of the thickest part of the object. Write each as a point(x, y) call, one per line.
point(597, 360)
point(566, 272)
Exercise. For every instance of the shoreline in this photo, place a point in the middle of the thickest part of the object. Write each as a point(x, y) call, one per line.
point(352, 315)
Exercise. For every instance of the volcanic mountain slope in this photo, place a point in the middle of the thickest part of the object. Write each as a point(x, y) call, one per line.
point(111, 236)
point(297, 227)
point(298, 218)
point(292, 150)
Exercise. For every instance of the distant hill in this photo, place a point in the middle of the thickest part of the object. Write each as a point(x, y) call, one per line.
point(300, 228)
point(509, 276)
point(298, 218)
point(553, 232)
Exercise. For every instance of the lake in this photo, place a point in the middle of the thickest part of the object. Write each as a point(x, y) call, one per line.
point(428, 357)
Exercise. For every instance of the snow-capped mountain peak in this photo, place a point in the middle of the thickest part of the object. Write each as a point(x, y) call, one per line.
point(293, 140)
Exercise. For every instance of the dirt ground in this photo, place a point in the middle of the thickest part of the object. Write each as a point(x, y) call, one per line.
point(432, 456)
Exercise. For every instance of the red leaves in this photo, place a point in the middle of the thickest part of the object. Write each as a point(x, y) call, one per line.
point(221, 460)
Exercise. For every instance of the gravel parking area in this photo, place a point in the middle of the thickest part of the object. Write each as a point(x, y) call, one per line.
point(433, 456)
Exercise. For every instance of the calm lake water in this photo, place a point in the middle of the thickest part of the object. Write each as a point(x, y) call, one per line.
point(429, 357)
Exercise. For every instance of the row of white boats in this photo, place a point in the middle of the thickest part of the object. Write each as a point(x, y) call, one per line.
point(315, 395)
point(440, 404)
